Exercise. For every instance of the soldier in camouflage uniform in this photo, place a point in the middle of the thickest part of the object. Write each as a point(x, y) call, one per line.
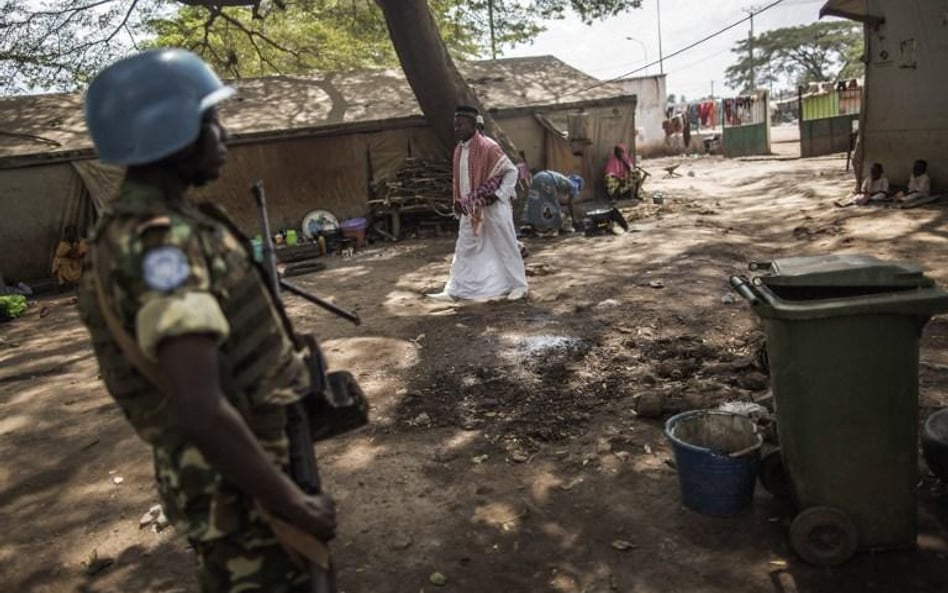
point(189, 341)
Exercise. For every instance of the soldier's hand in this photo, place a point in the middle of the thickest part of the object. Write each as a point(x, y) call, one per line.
point(316, 515)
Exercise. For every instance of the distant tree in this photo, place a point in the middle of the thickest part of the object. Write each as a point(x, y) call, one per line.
point(431, 71)
point(822, 51)
point(305, 37)
point(61, 44)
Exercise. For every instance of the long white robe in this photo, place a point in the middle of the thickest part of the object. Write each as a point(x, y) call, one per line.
point(488, 264)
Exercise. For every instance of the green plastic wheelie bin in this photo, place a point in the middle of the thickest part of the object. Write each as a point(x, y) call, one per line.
point(842, 341)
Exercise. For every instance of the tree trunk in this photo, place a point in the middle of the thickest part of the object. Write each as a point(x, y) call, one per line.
point(431, 72)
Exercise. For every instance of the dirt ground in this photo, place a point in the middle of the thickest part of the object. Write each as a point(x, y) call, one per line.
point(504, 452)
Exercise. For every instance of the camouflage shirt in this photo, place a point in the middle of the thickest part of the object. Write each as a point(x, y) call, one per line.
point(170, 268)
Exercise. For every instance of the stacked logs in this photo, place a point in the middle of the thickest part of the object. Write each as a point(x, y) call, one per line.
point(419, 186)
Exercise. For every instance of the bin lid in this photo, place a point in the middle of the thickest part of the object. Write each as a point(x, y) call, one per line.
point(843, 270)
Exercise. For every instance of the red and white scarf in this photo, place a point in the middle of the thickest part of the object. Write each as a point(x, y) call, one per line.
point(487, 164)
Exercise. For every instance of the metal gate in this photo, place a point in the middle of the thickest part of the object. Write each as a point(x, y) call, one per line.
point(828, 119)
point(746, 125)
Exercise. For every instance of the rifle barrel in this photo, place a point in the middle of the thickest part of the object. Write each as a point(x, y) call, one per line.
point(269, 253)
point(294, 289)
point(269, 263)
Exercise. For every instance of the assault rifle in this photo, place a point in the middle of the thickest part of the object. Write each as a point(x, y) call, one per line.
point(269, 264)
point(335, 405)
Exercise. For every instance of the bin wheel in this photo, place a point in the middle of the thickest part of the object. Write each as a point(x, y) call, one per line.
point(773, 476)
point(824, 536)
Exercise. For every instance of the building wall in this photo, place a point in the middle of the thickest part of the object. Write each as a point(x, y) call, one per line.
point(526, 133)
point(35, 201)
point(904, 113)
point(651, 101)
point(332, 173)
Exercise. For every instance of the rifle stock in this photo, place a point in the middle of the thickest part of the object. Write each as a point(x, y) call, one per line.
point(303, 467)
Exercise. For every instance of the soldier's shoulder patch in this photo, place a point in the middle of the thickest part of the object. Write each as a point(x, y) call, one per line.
point(165, 268)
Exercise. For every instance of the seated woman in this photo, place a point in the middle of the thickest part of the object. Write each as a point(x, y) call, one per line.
point(620, 175)
point(67, 260)
point(919, 185)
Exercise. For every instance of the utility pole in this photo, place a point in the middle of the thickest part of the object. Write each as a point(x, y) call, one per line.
point(493, 39)
point(661, 66)
point(712, 89)
point(750, 47)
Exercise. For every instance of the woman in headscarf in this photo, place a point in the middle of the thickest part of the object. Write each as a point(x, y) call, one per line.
point(620, 176)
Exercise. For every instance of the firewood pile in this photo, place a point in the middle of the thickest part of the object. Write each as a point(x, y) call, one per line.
point(419, 186)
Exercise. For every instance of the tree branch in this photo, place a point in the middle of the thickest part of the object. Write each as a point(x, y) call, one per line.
point(251, 33)
point(44, 13)
point(121, 25)
point(42, 139)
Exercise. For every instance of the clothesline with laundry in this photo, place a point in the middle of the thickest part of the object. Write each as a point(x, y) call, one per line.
point(712, 113)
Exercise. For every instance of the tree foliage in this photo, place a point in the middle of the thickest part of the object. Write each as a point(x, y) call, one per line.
point(56, 44)
point(60, 44)
point(305, 37)
point(817, 52)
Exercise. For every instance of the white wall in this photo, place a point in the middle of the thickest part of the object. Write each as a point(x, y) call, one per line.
point(649, 112)
point(905, 114)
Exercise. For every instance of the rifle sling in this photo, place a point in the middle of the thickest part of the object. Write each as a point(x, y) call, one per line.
point(125, 341)
point(296, 541)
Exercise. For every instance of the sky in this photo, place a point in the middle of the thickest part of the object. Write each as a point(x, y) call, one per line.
point(603, 51)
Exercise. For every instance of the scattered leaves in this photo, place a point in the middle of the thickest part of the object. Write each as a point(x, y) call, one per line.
point(94, 564)
point(623, 545)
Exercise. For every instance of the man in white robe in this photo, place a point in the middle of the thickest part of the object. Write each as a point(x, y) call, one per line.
point(487, 262)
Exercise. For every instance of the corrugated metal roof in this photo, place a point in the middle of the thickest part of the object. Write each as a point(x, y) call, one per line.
point(54, 123)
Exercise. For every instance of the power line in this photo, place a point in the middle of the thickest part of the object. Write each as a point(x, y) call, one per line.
point(702, 59)
point(676, 53)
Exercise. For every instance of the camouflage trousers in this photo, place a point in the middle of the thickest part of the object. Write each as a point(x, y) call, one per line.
point(250, 561)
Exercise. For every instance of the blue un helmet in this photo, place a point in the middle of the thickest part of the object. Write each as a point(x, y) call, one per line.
point(149, 106)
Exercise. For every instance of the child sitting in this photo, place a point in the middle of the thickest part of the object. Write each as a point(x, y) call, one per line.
point(919, 186)
point(874, 189)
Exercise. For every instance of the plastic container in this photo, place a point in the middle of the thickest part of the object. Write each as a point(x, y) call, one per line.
point(257, 243)
point(842, 342)
point(354, 228)
point(717, 454)
point(291, 237)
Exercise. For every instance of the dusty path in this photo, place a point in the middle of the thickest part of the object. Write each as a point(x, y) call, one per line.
point(504, 451)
